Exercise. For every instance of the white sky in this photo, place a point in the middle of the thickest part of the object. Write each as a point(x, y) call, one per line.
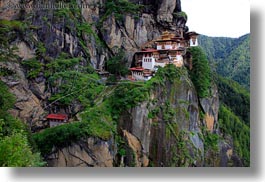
point(219, 18)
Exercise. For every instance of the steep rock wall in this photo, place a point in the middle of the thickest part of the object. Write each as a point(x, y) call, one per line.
point(166, 130)
point(210, 107)
point(28, 106)
point(90, 152)
point(56, 31)
point(176, 120)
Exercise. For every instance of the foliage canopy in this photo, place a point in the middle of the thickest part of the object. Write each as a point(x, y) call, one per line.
point(201, 73)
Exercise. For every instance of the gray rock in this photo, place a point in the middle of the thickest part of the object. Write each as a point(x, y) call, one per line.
point(91, 152)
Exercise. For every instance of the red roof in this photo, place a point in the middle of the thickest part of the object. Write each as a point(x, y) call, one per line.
point(137, 69)
point(57, 116)
point(148, 50)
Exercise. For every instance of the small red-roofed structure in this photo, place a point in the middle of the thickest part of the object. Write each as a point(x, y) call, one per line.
point(57, 119)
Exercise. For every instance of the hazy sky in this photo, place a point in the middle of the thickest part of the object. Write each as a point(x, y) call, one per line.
point(225, 18)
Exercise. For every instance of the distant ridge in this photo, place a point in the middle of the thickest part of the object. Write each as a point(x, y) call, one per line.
point(229, 57)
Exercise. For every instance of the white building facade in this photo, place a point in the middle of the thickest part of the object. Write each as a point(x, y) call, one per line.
point(148, 63)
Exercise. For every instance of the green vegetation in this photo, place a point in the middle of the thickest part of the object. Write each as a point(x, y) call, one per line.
point(85, 28)
point(73, 86)
point(15, 142)
point(153, 113)
point(7, 100)
point(33, 67)
point(180, 152)
point(117, 64)
point(126, 96)
point(235, 97)
point(129, 94)
point(169, 73)
point(121, 145)
point(41, 50)
point(238, 68)
point(4, 71)
point(181, 14)
point(100, 121)
point(13, 25)
point(71, 11)
point(231, 125)
point(168, 112)
point(71, 82)
point(95, 122)
point(119, 8)
point(211, 141)
point(7, 33)
point(230, 57)
point(74, 82)
point(15, 151)
point(181, 155)
point(201, 73)
point(62, 63)
point(74, 22)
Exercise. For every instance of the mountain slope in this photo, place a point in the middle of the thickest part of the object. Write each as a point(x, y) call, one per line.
point(230, 57)
point(234, 116)
point(235, 97)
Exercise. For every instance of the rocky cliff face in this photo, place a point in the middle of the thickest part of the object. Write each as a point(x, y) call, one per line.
point(91, 152)
point(28, 106)
point(176, 121)
point(56, 31)
point(166, 130)
point(210, 107)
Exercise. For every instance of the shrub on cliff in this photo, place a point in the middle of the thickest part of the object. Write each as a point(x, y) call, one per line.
point(117, 64)
point(201, 73)
point(119, 8)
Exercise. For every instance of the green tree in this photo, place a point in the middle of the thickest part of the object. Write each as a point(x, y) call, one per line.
point(15, 151)
point(117, 64)
point(201, 73)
